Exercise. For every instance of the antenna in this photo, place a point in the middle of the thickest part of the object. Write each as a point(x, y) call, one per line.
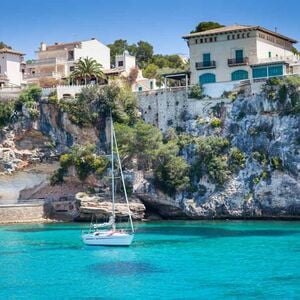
point(275, 29)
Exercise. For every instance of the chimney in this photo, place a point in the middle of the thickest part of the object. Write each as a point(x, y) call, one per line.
point(43, 46)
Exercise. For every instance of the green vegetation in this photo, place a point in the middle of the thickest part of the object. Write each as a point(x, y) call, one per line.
point(203, 26)
point(29, 99)
point(144, 144)
point(286, 92)
point(31, 94)
point(276, 163)
point(152, 65)
point(85, 161)
point(87, 69)
point(196, 92)
point(3, 45)
point(94, 104)
point(237, 159)
point(216, 122)
point(7, 110)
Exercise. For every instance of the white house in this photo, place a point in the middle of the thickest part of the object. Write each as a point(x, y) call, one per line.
point(123, 65)
point(10, 67)
point(239, 52)
point(57, 61)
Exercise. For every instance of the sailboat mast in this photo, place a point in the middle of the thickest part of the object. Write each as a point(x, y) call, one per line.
point(112, 170)
point(123, 182)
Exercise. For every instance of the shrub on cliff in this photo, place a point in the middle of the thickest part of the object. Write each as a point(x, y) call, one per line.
point(211, 158)
point(236, 159)
point(31, 94)
point(7, 111)
point(196, 92)
point(216, 122)
point(85, 161)
point(95, 103)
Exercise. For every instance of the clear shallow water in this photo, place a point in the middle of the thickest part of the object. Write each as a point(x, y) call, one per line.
point(168, 260)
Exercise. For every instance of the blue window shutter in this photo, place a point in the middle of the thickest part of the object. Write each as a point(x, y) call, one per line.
point(259, 72)
point(207, 78)
point(239, 75)
point(276, 70)
point(239, 56)
point(206, 59)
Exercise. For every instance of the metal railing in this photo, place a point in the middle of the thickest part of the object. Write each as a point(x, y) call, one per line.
point(41, 75)
point(205, 65)
point(46, 61)
point(238, 61)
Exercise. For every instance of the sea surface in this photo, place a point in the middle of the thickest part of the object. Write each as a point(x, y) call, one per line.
point(168, 260)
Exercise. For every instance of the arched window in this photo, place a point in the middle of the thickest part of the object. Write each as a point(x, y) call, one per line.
point(239, 75)
point(207, 78)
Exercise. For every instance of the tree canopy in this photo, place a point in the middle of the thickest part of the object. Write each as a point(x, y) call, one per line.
point(3, 45)
point(207, 25)
point(145, 57)
point(87, 68)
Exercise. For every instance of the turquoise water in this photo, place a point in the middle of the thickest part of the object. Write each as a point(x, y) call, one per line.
point(168, 260)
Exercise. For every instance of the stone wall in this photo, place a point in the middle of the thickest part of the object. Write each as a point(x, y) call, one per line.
point(172, 108)
point(21, 213)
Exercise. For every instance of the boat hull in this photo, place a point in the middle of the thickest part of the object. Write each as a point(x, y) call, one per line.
point(92, 239)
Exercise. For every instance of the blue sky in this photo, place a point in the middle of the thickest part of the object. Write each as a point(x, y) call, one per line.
point(160, 22)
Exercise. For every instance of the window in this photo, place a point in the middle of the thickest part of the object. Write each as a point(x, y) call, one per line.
point(243, 35)
point(120, 63)
point(71, 55)
point(270, 54)
point(215, 38)
point(228, 37)
point(201, 41)
point(238, 36)
point(196, 41)
point(248, 34)
point(259, 72)
point(206, 59)
point(205, 40)
point(210, 39)
point(233, 36)
point(140, 89)
point(239, 75)
point(239, 56)
point(72, 68)
point(276, 70)
point(207, 78)
point(151, 85)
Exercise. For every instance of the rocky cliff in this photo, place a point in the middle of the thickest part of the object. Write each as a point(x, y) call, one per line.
point(266, 184)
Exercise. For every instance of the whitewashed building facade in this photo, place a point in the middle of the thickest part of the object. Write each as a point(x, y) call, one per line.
point(239, 52)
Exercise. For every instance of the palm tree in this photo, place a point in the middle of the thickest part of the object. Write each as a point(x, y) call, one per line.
point(86, 68)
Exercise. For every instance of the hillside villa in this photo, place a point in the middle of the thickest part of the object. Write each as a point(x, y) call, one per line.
point(57, 61)
point(239, 52)
point(11, 67)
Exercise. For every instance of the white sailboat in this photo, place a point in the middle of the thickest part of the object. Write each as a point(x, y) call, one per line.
point(97, 234)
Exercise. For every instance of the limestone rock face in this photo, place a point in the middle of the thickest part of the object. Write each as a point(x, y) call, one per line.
point(101, 206)
point(252, 124)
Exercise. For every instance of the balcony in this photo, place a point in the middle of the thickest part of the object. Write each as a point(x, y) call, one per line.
point(46, 61)
point(41, 75)
point(233, 62)
point(205, 65)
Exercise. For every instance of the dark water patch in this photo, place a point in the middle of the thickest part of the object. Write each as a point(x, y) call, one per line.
point(160, 242)
point(286, 278)
point(123, 268)
point(207, 232)
point(91, 298)
point(25, 230)
point(12, 252)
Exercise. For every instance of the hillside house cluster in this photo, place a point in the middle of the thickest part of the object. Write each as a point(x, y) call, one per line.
point(228, 54)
